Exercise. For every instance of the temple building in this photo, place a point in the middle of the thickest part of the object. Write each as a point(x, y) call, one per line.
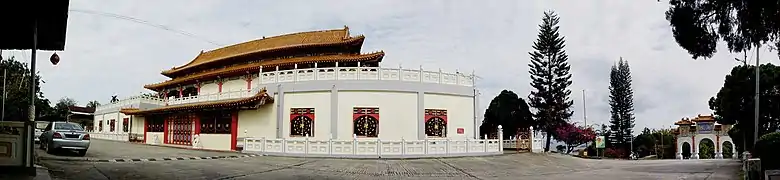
point(313, 85)
point(692, 133)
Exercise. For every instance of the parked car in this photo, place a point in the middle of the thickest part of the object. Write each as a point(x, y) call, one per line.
point(62, 135)
point(39, 126)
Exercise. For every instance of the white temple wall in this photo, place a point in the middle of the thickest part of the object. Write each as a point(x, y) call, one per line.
point(215, 141)
point(234, 85)
point(460, 113)
point(320, 101)
point(154, 138)
point(209, 88)
point(260, 122)
point(137, 125)
point(397, 113)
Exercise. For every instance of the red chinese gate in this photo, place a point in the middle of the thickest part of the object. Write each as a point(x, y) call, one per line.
point(180, 129)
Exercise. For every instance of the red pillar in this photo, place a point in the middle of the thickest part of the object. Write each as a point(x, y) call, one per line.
point(181, 92)
point(197, 124)
point(219, 84)
point(165, 131)
point(233, 130)
point(198, 86)
point(146, 125)
point(249, 82)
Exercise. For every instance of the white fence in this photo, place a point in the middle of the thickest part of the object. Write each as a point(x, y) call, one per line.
point(373, 148)
point(213, 97)
point(130, 102)
point(110, 136)
point(367, 73)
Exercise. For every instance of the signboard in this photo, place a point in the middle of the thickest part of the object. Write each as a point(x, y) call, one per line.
point(600, 142)
point(704, 127)
point(460, 131)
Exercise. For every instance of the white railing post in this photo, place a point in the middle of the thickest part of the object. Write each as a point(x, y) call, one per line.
point(330, 146)
point(306, 144)
point(447, 146)
point(440, 76)
point(421, 74)
point(378, 146)
point(426, 146)
point(284, 145)
point(403, 146)
point(467, 145)
point(500, 138)
point(295, 73)
point(316, 72)
point(354, 144)
point(262, 144)
point(337, 71)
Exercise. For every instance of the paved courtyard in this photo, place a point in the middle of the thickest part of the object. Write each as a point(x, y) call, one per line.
point(511, 166)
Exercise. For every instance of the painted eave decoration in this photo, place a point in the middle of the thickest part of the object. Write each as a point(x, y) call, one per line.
point(255, 101)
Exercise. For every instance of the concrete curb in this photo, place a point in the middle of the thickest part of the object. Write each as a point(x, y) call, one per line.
point(146, 159)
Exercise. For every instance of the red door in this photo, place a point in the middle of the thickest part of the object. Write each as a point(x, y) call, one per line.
point(180, 129)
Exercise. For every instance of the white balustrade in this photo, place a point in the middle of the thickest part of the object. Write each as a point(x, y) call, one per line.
point(110, 136)
point(373, 148)
point(367, 73)
point(212, 97)
point(130, 102)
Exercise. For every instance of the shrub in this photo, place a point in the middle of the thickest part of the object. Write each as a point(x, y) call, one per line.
point(615, 153)
point(764, 150)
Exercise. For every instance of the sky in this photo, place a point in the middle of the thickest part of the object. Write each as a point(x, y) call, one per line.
point(107, 55)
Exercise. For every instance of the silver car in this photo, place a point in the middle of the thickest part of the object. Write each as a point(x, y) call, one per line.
point(65, 136)
point(39, 127)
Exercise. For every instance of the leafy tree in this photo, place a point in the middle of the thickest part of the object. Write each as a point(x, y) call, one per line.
point(734, 103)
point(17, 99)
point(93, 104)
point(550, 78)
point(509, 111)
point(574, 135)
point(61, 108)
point(621, 102)
point(706, 149)
point(743, 24)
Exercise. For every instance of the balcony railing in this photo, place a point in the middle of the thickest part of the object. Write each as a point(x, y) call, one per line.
point(373, 148)
point(212, 97)
point(367, 73)
point(131, 102)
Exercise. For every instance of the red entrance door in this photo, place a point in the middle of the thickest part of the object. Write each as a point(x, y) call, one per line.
point(180, 129)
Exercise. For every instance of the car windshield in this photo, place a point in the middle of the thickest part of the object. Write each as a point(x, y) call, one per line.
point(68, 126)
point(41, 125)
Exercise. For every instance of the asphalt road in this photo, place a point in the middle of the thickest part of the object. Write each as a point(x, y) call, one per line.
point(511, 166)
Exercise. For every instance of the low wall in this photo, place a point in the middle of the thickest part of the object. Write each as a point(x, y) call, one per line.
point(536, 145)
point(212, 141)
point(373, 148)
point(11, 144)
point(110, 136)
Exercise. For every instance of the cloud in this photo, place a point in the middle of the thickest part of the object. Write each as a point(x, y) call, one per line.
point(107, 55)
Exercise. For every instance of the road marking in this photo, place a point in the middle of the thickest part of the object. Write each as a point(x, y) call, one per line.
point(153, 159)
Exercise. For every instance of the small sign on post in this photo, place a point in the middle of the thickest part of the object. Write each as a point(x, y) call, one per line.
point(460, 131)
point(600, 142)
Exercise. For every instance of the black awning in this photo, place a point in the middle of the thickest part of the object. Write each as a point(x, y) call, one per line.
point(19, 17)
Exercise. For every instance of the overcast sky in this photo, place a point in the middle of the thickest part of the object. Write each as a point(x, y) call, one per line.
point(108, 55)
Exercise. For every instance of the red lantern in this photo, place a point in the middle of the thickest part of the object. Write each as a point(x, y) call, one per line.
point(54, 59)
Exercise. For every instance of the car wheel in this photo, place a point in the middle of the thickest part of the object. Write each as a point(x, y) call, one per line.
point(49, 150)
point(82, 153)
point(40, 145)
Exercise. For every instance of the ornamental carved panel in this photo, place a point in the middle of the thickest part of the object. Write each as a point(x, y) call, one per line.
point(365, 121)
point(302, 122)
point(436, 122)
point(524, 139)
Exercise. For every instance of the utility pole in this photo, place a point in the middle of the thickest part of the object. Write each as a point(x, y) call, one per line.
point(756, 102)
point(5, 95)
point(584, 110)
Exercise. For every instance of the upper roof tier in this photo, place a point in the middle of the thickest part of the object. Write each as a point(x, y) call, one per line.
point(275, 43)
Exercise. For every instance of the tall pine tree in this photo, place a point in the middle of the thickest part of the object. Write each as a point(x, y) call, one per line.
point(550, 78)
point(621, 102)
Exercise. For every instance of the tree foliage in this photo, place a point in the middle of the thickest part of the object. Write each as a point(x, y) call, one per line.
point(655, 142)
point(698, 25)
point(621, 102)
point(17, 99)
point(734, 103)
point(92, 104)
point(550, 78)
point(574, 135)
point(61, 108)
point(509, 111)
